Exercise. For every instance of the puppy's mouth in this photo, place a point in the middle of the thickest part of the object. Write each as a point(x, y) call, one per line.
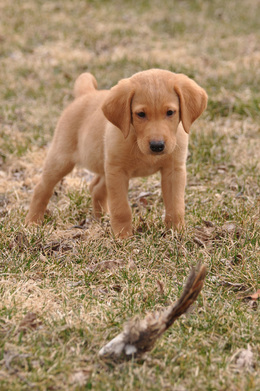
point(157, 153)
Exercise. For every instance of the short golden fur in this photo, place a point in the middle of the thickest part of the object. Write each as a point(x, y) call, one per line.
point(135, 129)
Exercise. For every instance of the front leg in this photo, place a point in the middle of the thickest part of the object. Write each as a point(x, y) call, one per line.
point(120, 211)
point(173, 180)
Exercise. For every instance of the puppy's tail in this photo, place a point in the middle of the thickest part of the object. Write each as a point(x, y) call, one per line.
point(85, 83)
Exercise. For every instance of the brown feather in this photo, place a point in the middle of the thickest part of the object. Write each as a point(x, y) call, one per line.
point(139, 336)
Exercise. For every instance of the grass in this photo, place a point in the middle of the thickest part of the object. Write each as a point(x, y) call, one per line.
point(82, 284)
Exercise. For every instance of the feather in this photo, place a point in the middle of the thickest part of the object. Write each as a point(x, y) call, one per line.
point(140, 335)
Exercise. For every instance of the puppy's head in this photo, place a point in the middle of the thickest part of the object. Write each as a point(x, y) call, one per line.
point(153, 102)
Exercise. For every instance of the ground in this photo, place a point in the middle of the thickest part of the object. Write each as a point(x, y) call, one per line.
point(68, 286)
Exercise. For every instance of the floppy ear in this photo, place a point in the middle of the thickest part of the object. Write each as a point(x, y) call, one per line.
point(117, 106)
point(193, 99)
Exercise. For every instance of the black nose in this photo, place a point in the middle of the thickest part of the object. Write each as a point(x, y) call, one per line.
point(157, 146)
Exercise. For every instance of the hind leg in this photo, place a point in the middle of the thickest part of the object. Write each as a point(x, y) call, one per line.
point(98, 192)
point(55, 168)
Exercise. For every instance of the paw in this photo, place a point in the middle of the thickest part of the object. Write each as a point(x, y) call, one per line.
point(123, 232)
point(178, 224)
point(124, 235)
point(34, 219)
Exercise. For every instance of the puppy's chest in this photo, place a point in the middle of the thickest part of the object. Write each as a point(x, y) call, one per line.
point(144, 167)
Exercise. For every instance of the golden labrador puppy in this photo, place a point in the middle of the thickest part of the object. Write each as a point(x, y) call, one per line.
point(135, 129)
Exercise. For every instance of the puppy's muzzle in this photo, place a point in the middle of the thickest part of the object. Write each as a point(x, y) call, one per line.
point(157, 146)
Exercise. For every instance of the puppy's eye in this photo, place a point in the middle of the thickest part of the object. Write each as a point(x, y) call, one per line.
point(170, 113)
point(141, 114)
